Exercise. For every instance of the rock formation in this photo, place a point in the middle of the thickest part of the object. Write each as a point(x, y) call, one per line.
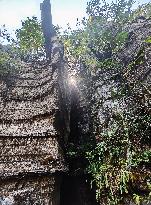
point(35, 127)
point(47, 26)
point(41, 114)
point(30, 115)
point(135, 73)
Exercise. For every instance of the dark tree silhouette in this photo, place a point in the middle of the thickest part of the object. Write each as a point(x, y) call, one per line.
point(47, 25)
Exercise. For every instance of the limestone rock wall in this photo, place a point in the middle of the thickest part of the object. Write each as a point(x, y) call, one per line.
point(135, 74)
point(23, 155)
point(135, 55)
point(30, 190)
point(94, 93)
point(33, 127)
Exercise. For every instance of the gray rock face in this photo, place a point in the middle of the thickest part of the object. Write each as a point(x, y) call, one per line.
point(108, 83)
point(131, 52)
point(136, 51)
point(7, 201)
point(138, 33)
point(30, 190)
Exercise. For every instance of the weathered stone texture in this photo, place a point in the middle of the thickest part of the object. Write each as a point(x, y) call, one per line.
point(30, 155)
point(135, 73)
point(139, 74)
point(138, 33)
point(32, 125)
point(30, 190)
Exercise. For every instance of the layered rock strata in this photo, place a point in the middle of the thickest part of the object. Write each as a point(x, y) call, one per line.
point(32, 129)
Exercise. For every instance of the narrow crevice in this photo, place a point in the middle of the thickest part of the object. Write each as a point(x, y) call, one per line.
point(76, 190)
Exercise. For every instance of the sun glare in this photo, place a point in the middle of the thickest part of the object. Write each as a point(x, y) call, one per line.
point(72, 81)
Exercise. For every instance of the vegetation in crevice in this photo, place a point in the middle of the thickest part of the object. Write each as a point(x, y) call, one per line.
point(120, 159)
point(120, 162)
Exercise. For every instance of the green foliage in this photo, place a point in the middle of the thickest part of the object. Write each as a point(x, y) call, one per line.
point(9, 64)
point(137, 199)
point(30, 38)
point(148, 40)
point(4, 35)
point(4, 59)
point(143, 10)
point(8, 61)
point(29, 45)
point(114, 161)
point(120, 39)
point(124, 145)
point(103, 30)
point(118, 12)
point(102, 34)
